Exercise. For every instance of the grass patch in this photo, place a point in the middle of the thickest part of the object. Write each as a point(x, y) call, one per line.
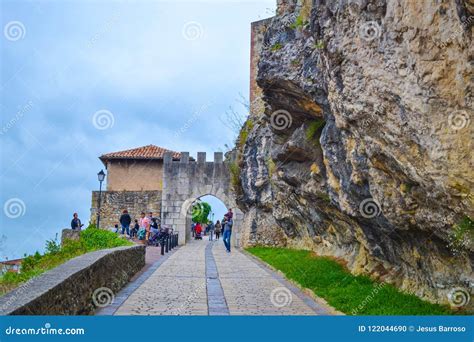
point(353, 295)
point(405, 187)
point(244, 133)
point(276, 47)
point(91, 239)
point(295, 62)
point(313, 129)
point(271, 167)
point(234, 175)
point(299, 23)
point(462, 235)
point(319, 45)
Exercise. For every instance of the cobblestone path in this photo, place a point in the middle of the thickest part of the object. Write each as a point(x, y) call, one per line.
point(200, 278)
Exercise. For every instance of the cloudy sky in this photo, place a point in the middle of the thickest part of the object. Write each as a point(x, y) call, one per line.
point(82, 78)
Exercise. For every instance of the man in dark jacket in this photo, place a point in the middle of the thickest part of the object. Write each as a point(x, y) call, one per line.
point(125, 221)
point(227, 233)
point(76, 223)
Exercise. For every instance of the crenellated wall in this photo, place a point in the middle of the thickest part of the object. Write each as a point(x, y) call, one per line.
point(186, 180)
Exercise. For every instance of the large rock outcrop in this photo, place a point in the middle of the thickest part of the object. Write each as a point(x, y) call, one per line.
point(361, 144)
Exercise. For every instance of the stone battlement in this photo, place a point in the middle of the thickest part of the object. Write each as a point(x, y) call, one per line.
point(185, 159)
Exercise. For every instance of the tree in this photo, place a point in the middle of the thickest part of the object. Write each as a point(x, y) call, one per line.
point(200, 212)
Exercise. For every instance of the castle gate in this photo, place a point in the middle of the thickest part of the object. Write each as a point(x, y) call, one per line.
point(185, 180)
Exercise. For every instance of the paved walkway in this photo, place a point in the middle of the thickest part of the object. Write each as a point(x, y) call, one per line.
point(200, 278)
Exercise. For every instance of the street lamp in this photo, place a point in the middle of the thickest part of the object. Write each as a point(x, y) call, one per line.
point(100, 177)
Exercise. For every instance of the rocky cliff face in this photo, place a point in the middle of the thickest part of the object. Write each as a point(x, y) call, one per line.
point(361, 144)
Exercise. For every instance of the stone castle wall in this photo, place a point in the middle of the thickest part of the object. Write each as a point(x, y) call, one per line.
point(186, 180)
point(114, 202)
point(257, 32)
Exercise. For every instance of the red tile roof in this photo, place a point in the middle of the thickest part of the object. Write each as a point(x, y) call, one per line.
point(11, 262)
point(144, 152)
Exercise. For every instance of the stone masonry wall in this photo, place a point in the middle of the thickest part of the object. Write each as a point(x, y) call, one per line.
point(257, 30)
point(114, 202)
point(77, 286)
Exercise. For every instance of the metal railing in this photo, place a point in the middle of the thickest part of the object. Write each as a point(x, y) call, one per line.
point(168, 242)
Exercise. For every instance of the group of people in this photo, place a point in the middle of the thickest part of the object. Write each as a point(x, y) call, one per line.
point(148, 226)
point(142, 229)
point(224, 227)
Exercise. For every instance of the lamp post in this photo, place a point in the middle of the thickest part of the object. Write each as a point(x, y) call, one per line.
point(100, 177)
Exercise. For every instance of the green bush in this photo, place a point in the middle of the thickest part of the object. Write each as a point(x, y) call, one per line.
point(200, 212)
point(94, 239)
point(52, 246)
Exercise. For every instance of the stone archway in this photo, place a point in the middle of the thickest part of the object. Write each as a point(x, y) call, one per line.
point(186, 180)
point(186, 213)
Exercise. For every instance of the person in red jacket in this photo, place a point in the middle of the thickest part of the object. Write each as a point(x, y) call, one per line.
point(198, 229)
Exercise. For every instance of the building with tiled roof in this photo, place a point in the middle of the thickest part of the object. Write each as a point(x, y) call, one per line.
point(136, 169)
point(149, 152)
point(13, 265)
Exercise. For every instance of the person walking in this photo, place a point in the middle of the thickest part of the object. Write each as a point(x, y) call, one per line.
point(193, 229)
point(125, 221)
point(217, 229)
point(211, 230)
point(76, 223)
point(227, 234)
point(230, 214)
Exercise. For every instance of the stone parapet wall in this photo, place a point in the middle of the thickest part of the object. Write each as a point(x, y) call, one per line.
point(114, 202)
point(78, 286)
